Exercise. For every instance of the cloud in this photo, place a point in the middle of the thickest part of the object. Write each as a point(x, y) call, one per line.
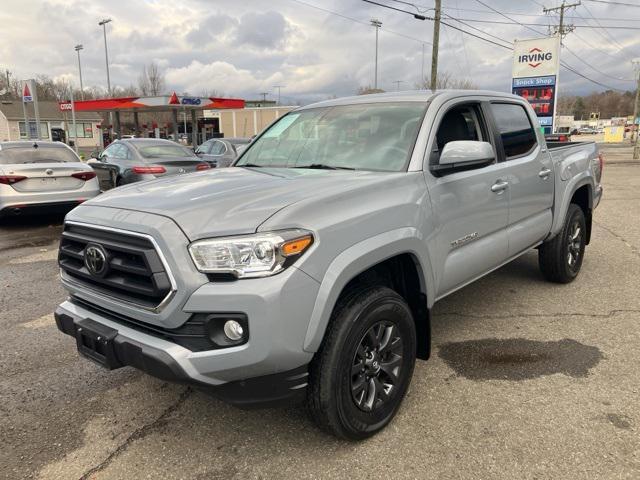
point(267, 30)
point(242, 48)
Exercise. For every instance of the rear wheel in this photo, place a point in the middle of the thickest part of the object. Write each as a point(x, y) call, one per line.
point(363, 369)
point(560, 258)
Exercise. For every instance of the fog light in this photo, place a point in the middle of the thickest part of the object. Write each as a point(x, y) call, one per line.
point(233, 330)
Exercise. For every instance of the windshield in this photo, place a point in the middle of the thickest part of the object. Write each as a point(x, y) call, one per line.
point(155, 151)
point(378, 136)
point(41, 154)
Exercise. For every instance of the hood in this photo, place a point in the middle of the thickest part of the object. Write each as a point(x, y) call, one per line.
point(230, 201)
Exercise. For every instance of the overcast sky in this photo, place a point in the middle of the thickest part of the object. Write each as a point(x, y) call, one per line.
point(241, 48)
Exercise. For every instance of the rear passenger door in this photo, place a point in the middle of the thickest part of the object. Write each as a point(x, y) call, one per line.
point(529, 173)
point(469, 213)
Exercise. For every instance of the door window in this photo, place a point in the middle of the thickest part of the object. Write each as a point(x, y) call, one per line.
point(462, 122)
point(515, 128)
point(218, 148)
point(204, 148)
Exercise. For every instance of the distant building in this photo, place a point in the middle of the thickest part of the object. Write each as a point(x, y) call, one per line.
point(54, 124)
point(245, 122)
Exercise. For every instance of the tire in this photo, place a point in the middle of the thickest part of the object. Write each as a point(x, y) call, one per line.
point(560, 258)
point(355, 389)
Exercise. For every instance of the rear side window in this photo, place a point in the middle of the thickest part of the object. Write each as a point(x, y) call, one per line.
point(514, 126)
point(41, 154)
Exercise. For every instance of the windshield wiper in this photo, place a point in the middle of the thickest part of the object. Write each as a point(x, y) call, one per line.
point(255, 165)
point(323, 166)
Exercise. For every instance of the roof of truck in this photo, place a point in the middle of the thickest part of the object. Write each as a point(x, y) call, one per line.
point(405, 96)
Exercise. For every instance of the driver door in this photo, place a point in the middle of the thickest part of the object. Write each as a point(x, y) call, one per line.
point(470, 213)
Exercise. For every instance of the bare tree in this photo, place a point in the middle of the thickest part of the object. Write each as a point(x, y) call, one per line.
point(369, 90)
point(151, 80)
point(447, 80)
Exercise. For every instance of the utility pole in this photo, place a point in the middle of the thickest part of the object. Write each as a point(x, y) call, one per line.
point(436, 40)
point(636, 108)
point(279, 87)
point(422, 68)
point(78, 48)
point(562, 29)
point(398, 82)
point(377, 24)
point(264, 96)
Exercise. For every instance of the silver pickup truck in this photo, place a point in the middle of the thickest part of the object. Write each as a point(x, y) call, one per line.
point(307, 270)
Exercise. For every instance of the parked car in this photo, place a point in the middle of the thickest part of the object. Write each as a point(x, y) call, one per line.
point(221, 152)
point(42, 176)
point(557, 137)
point(307, 271)
point(137, 159)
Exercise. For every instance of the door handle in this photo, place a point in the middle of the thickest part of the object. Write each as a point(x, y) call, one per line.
point(499, 187)
point(544, 173)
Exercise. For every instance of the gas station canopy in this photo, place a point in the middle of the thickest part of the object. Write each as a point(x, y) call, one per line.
point(163, 103)
point(158, 103)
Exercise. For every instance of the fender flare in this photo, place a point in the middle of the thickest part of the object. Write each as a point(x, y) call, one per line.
point(561, 212)
point(355, 260)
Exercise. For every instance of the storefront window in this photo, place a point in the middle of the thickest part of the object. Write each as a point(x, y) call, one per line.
point(44, 130)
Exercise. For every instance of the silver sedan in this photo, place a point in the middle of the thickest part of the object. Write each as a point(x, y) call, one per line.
point(39, 176)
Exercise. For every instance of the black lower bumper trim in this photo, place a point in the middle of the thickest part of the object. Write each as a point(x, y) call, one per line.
point(267, 391)
point(39, 208)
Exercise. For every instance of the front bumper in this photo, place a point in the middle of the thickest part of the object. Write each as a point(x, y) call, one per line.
point(117, 348)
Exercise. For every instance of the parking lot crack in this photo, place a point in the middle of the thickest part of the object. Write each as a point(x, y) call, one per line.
point(138, 434)
point(635, 250)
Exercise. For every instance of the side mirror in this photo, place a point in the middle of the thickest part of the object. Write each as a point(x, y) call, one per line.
point(464, 155)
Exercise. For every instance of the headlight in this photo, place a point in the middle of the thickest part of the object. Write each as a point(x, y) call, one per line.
point(248, 256)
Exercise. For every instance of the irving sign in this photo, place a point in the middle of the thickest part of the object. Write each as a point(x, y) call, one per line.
point(535, 76)
point(536, 58)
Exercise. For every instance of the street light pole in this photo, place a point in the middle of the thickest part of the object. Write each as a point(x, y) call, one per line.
point(376, 23)
point(103, 24)
point(78, 48)
point(279, 87)
point(636, 148)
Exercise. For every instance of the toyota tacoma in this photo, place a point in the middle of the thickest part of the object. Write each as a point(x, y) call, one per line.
point(307, 270)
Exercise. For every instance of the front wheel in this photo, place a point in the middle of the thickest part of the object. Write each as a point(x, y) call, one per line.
point(363, 369)
point(560, 258)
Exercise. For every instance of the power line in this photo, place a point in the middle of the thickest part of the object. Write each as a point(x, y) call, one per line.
point(520, 14)
point(362, 22)
point(594, 68)
point(605, 30)
point(611, 2)
point(571, 69)
point(530, 24)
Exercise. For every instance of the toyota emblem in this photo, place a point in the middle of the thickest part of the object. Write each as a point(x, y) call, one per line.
point(182, 170)
point(95, 259)
point(49, 171)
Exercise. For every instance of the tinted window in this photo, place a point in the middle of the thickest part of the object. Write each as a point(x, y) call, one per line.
point(376, 136)
point(514, 126)
point(115, 151)
point(36, 155)
point(164, 150)
point(218, 148)
point(204, 148)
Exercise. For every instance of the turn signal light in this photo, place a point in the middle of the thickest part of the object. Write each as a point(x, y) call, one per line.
point(203, 166)
point(153, 170)
point(297, 246)
point(84, 175)
point(11, 179)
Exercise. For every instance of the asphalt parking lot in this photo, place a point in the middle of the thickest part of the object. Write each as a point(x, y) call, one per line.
point(527, 380)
